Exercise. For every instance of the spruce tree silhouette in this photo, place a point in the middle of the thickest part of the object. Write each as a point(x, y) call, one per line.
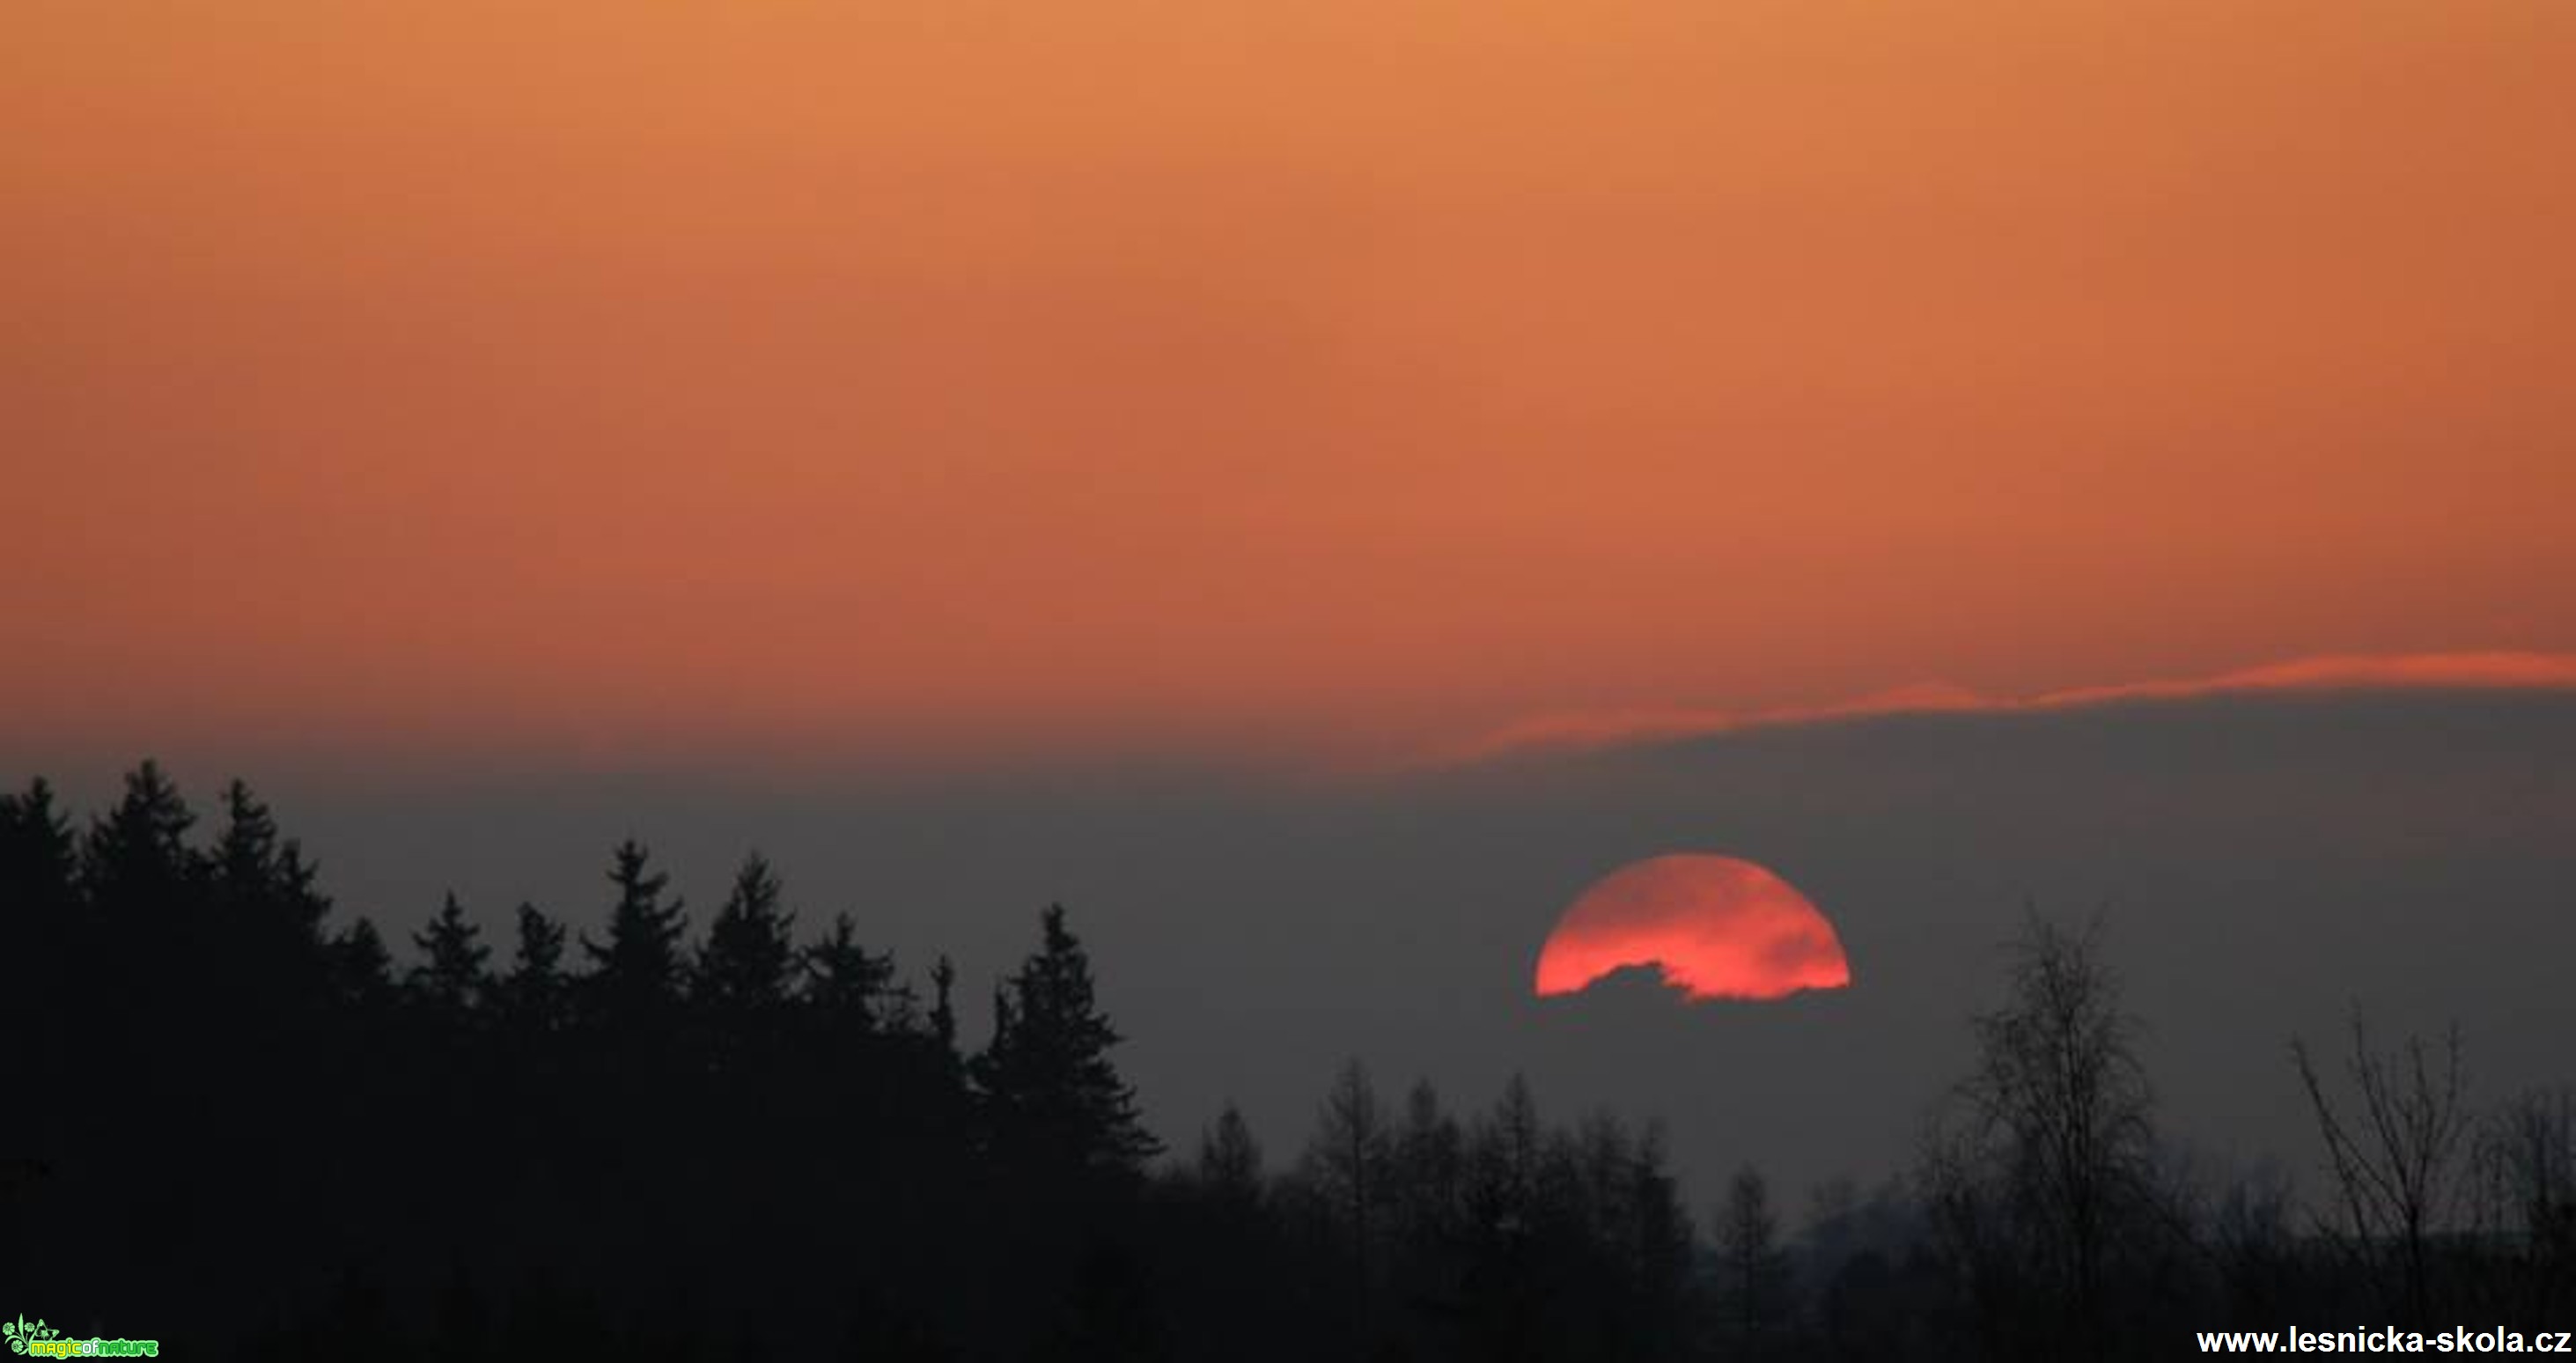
point(248, 917)
point(636, 976)
point(1055, 1104)
point(745, 967)
point(46, 1041)
point(264, 879)
point(141, 883)
point(135, 863)
point(38, 858)
point(539, 1169)
point(441, 1068)
point(740, 982)
point(451, 980)
point(886, 1080)
point(246, 854)
point(849, 991)
point(265, 925)
point(535, 997)
point(637, 1103)
point(38, 916)
point(1061, 1141)
point(361, 970)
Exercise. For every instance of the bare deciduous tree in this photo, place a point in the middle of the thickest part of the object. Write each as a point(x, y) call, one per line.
point(2048, 1173)
point(2525, 1165)
point(2396, 1159)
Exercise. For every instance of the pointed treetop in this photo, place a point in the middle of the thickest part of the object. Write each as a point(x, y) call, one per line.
point(139, 847)
point(1046, 1074)
point(361, 968)
point(533, 993)
point(749, 956)
point(246, 855)
point(849, 987)
point(38, 855)
point(451, 975)
point(264, 879)
point(638, 971)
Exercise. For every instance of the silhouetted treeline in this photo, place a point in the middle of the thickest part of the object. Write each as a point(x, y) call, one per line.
point(241, 1121)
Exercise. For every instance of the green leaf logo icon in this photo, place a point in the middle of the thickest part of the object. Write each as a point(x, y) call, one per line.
point(18, 1332)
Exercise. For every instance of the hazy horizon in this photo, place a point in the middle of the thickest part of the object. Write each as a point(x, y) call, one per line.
point(2260, 864)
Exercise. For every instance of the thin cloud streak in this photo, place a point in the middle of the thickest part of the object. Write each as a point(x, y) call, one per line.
point(1587, 731)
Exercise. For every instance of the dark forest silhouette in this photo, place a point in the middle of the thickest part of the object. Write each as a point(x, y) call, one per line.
point(235, 1124)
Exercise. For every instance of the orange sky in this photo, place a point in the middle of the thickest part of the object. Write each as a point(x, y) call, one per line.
point(932, 377)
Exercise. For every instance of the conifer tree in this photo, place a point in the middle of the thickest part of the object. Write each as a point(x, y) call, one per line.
point(38, 926)
point(846, 985)
point(136, 858)
point(451, 978)
point(1055, 1102)
point(245, 856)
point(263, 880)
point(636, 976)
point(744, 968)
point(535, 994)
point(360, 969)
point(38, 857)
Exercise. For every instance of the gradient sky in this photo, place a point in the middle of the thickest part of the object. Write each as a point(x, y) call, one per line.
point(954, 380)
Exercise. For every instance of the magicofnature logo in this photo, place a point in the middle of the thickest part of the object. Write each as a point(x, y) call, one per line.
point(20, 1334)
point(45, 1341)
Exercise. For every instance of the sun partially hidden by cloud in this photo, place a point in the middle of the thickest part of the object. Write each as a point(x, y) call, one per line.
point(1585, 731)
point(1717, 927)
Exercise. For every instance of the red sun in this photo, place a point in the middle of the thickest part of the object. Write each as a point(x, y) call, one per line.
point(1717, 927)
